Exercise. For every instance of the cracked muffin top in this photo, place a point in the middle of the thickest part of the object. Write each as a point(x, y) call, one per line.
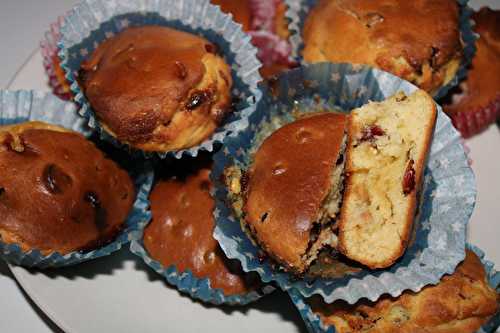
point(418, 41)
point(156, 88)
point(58, 192)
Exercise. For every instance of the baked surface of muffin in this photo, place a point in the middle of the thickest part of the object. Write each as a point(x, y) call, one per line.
point(293, 176)
point(58, 192)
point(418, 41)
point(180, 233)
point(461, 302)
point(156, 88)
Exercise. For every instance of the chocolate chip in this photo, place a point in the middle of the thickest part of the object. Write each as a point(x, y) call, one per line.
point(100, 212)
point(197, 99)
point(434, 56)
point(244, 180)
point(180, 70)
point(211, 48)
point(2, 191)
point(409, 179)
point(205, 185)
point(54, 179)
point(264, 217)
point(261, 257)
point(82, 76)
point(340, 160)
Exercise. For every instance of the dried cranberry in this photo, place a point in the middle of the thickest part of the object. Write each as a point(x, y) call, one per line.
point(100, 212)
point(197, 99)
point(55, 179)
point(370, 132)
point(409, 179)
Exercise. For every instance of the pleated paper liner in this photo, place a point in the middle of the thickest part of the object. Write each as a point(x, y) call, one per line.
point(21, 106)
point(92, 21)
point(447, 197)
point(314, 323)
point(299, 10)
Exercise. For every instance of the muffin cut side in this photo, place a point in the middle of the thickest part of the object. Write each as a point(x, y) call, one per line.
point(385, 158)
point(324, 231)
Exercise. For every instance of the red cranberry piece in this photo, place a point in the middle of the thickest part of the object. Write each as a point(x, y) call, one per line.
point(409, 179)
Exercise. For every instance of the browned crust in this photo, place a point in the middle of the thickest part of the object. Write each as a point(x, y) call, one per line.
point(291, 199)
point(157, 88)
point(461, 302)
point(419, 171)
point(11, 138)
point(420, 48)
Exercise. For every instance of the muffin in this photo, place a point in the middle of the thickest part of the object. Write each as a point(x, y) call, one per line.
point(461, 302)
point(478, 104)
point(292, 189)
point(267, 24)
point(418, 41)
point(156, 88)
point(180, 233)
point(82, 198)
point(387, 148)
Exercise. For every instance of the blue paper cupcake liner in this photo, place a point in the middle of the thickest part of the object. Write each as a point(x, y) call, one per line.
point(21, 106)
point(92, 21)
point(187, 283)
point(447, 198)
point(297, 14)
point(314, 323)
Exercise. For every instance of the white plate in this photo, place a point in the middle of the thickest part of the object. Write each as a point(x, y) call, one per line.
point(120, 294)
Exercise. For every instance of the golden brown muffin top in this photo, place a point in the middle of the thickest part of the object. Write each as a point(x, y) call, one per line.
point(482, 85)
point(398, 36)
point(461, 302)
point(240, 9)
point(288, 183)
point(180, 233)
point(137, 80)
point(58, 192)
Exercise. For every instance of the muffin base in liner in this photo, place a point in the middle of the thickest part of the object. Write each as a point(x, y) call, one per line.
point(49, 50)
point(92, 21)
point(21, 106)
point(447, 196)
point(472, 122)
point(297, 14)
point(186, 282)
point(314, 323)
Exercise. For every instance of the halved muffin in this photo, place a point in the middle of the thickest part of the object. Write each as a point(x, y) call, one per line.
point(293, 189)
point(58, 192)
point(388, 143)
point(156, 88)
